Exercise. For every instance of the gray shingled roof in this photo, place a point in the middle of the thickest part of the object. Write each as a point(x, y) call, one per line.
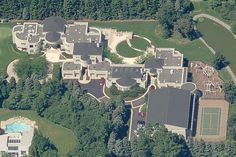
point(132, 72)
point(126, 81)
point(171, 75)
point(84, 49)
point(54, 23)
point(101, 66)
point(169, 106)
point(71, 66)
point(169, 59)
point(78, 33)
point(53, 36)
point(154, 63)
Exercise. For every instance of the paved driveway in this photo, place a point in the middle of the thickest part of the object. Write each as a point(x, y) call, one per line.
point(135, 119)
point(94, 88)
point(138, 102)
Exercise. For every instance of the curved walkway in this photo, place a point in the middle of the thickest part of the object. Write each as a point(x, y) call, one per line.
point(223, 24)
point(144, 38)
point(11, 72)
point(133, 60)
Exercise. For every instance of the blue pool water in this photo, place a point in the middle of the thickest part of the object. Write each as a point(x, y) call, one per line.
point(17, 127)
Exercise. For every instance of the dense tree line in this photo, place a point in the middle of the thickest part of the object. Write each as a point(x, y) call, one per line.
point(172, 14)
point(221, 149)
point(226, 8)
point(88, 9)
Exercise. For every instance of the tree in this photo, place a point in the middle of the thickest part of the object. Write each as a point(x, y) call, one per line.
point(230, 91)
point(219, 61)
point(123, 148)
point(41, 146)
point(215, 3)
point(26, 67)
point(185, 27)
point(111, 143)
point(6, 155)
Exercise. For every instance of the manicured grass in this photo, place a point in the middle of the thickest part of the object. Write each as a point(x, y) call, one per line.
point(193, 50)
point(63, 138)
point(124, 50)
point(225, 75)
point(220, 39)
point(7, 52)
point(140, 43)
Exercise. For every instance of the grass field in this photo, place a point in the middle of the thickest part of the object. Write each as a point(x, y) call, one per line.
point(63, 138)
point(7, 52)
point(220, 39)
point(140, 43)
point(124, 50)
point(224, 75)
point(193, 50)
point(210, 121)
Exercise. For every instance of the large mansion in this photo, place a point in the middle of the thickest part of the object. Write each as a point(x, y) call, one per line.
point(171, 103)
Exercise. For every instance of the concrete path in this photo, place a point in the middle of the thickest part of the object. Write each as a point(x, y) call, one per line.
point(223, 24)
point(11, 72)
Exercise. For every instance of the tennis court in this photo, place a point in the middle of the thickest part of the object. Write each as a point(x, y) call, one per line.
point(210, 121)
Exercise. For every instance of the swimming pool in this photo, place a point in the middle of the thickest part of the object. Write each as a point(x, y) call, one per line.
point(17, 127)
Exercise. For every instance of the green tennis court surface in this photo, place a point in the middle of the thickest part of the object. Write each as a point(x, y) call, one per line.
point(210, 121)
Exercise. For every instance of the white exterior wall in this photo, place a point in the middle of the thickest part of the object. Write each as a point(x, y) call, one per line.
point(97, 74)
point(177, 130)
point(71, 74)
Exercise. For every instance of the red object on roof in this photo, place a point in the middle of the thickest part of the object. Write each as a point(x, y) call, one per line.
point(102, 81)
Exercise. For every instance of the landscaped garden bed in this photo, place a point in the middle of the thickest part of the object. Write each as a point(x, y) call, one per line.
point(131, 94)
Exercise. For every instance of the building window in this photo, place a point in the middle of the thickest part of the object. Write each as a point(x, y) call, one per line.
point(23, 152)
point(13, 148)
point(13, 141)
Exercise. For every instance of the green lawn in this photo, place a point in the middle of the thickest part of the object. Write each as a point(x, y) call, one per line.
point(63, 138)
point(7, 52)
point(224, 74)
point(124, 50)
point(194, 50)
point(220, 39)
point(140, 43)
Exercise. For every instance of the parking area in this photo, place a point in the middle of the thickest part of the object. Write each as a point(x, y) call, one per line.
point(94, 88)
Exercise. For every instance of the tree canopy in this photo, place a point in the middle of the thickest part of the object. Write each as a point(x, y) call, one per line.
point(26, 67)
